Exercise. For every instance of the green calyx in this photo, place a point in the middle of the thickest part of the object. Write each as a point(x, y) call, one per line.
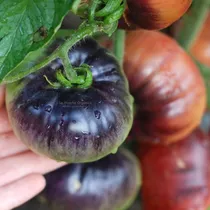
point(103, 16)
point(83, 78)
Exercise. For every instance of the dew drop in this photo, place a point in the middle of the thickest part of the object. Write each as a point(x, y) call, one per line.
point(100, 102)
point(97, 136)
point(48, 108)
point(76, 137)
point(61, 123)
point(85, 132)
point(114, 100)
point(48, 127)
point(97, 114)
point(36, 107)
point(112, 89)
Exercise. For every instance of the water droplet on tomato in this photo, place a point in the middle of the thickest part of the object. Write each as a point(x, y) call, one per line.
point(97, 114)
point(36, 107)
point(114, 100)
point(61, 123)
point(76, 137)
point(48, 108)
point(85, 132)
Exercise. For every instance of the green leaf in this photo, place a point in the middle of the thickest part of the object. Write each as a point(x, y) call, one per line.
point(192, 23)
point(22, 69)
point(25, 26)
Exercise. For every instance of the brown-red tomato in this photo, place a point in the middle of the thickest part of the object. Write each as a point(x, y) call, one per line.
point(167, 86)
point(153, 14)
point(176, 176)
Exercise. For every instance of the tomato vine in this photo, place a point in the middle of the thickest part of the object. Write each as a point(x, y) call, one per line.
point(103, 20)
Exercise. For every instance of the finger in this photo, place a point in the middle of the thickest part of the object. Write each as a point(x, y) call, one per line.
point(2, 95)
point(10, 145)
point(4, 121)
point(20, 191)
point(20, 165)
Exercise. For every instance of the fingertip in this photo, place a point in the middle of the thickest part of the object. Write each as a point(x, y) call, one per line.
point(20, 191)
point(39, 179)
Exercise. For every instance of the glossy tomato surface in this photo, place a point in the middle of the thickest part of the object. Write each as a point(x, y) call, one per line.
point(153, 14)
point(176, 176)
point(73, 124)
point(168, 88)
point(111, 183)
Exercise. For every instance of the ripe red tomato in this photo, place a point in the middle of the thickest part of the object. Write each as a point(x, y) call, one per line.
point(153, 14)
point(167, 86)
point(176, 176)
point(201, 48)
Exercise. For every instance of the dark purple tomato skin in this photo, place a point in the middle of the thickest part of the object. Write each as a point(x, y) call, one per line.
point(110, 183)
point(73, 125)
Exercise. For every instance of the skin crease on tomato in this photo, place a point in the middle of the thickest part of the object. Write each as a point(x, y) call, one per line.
point(111, 183)
point(176, 176)
point(201, 48)
point(153, 14)
point(73, 124)
point(166, 85)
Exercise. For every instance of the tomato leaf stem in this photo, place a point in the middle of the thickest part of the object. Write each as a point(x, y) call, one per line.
point(75, 6)
point(107, 25)
point(119, 45)
point(84, 31)
point(93, 6)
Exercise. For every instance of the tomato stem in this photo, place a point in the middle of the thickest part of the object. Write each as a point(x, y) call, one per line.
point(75, 6)
point(93, 6)
point(106, 25)
point(193, 22)
point(64, 33)
point(109, 8)
point(119, 45)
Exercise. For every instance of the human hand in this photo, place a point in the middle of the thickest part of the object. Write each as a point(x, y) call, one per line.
point(20, 169)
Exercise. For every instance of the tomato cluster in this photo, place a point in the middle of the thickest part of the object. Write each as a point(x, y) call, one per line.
point(83, 126)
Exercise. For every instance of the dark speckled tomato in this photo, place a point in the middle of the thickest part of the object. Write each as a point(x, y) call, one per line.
point(73, 125)
point(111, 183)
